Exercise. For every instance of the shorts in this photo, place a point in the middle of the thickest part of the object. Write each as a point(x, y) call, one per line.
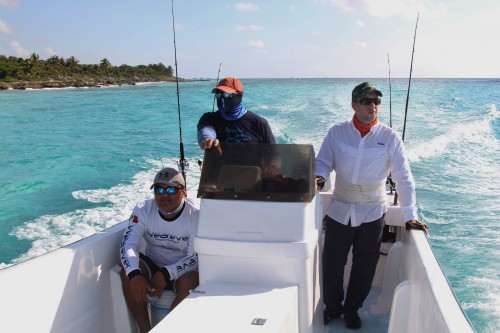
point(153, 268)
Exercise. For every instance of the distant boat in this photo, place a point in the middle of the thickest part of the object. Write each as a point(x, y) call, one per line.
point(259, 243)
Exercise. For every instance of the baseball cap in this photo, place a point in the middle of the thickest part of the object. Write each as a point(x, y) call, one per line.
point(229, 85)
point(363, 89)
point(170, 177)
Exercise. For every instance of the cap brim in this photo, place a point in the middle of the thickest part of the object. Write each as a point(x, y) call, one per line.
point(225, 89)
point(166, 183)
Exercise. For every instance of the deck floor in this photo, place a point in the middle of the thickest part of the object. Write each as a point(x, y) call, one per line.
point(371, 322)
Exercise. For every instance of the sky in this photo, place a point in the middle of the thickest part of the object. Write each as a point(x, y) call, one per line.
point(264, 39)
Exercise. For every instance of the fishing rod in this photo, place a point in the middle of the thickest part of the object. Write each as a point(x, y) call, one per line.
point(389, 179)
point(183, 164)
point(408, 92)
point(409, 79)
point(213, 106)
point(390, 92)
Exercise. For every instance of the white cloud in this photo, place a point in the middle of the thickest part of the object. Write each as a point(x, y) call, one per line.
point(4, 28)
point(360, 24)
point(430, 9)
point(250, 27)
point(18, 49)
point(360, 44)
point(256, 44)
point(48, 51)
point(9, 3)
point(247, 7)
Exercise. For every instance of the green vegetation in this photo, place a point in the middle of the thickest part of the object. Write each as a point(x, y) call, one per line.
point(57, 72)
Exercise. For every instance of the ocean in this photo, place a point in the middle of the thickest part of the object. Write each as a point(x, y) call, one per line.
point(76, 161)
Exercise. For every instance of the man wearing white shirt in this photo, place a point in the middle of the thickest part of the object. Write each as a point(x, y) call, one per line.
point(168, 223)
point(363, 152)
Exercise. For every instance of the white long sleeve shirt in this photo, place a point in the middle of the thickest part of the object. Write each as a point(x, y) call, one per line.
point(366, 161)
point(168, 243)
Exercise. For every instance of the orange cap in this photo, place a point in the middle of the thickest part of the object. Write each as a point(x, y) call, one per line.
point(229, 85)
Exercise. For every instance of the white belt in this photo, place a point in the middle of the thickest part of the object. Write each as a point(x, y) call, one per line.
point(348, 192)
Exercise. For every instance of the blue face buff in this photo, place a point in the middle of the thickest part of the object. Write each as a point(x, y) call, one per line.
point(231, 107)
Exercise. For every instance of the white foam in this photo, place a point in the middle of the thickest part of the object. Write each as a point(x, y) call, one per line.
point(476, 132)
point(51, 232)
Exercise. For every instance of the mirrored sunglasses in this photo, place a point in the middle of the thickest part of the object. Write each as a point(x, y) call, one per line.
point(168, 190)
point(224, 95)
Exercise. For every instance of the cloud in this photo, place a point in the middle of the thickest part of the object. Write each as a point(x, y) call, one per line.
point(361, 44)
point(245, 7)
point(250, 27)
point(430, 9)
point(256, 44)
point(12, 4)
point(18, 49)
point(360, 24)
point(48, 51)
point(4, 28)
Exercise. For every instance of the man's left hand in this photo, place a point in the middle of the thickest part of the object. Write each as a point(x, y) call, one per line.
point(416, 224)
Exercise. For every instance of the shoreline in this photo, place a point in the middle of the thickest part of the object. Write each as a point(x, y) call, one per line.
point(80, 83)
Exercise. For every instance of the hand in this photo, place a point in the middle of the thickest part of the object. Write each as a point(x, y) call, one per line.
point(158, 283)
point(320, 182)
point(270, 171)
point(415, 224)
point(209, 143)
point(140, 287)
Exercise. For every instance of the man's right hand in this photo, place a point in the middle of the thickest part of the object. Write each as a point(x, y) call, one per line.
point(209, 143)
point(140, 287)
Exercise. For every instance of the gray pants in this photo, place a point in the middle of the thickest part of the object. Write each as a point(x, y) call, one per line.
point(365, 241)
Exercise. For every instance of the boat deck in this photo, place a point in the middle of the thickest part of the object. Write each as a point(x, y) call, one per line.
point(371, 322)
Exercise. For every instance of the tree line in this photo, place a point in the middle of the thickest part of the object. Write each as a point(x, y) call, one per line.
point(14, 69)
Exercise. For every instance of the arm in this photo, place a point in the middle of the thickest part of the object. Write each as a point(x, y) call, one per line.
point(405, 185)
point(129, 254)
point(325, 160)
point(207, 136)
point(190, 261)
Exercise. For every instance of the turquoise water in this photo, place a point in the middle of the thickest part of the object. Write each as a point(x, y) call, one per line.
point(75, 161)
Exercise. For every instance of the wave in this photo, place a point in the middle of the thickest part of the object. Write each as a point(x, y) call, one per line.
point(476, 132)
point(50, 232)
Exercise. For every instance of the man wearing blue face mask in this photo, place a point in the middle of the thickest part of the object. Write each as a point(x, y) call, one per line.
point(232, 123)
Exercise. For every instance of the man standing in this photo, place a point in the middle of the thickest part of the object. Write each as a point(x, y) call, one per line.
point(168, 223)
point(232, 122)
point(363, 152)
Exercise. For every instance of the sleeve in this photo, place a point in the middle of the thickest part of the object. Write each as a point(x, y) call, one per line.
point(269, 137)
point(206, 127)
point(190, 260)
point(129, 247)
point(402, 176)
point(325, 160)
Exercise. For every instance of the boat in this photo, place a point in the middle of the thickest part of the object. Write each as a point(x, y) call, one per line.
point(259, 244)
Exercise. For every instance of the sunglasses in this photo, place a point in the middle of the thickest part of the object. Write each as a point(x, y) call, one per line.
point(368, 101)
point(169, 190)
point(224, 95)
